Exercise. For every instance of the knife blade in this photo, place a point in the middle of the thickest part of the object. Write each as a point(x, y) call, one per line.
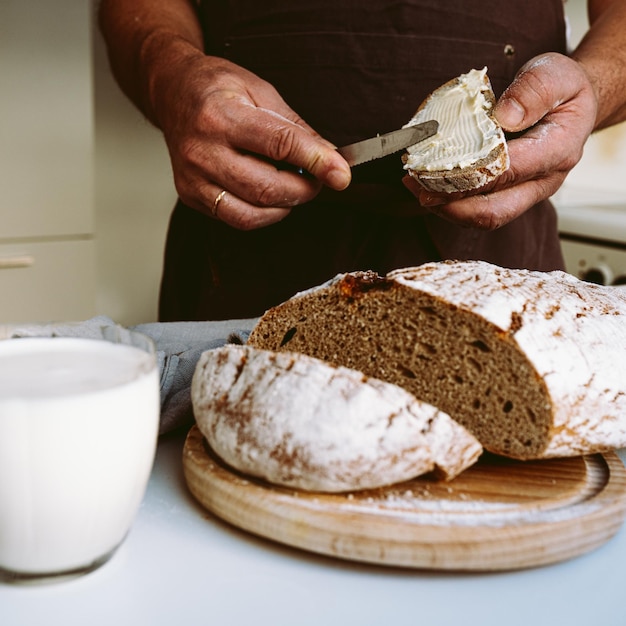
point(384, 145)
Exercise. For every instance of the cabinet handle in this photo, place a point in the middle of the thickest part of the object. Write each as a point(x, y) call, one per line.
point(14, 262)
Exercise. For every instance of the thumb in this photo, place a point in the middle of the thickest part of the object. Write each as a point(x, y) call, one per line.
point(537, 89)
point(510, 113)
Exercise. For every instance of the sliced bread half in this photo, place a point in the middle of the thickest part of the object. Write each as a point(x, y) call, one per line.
point(299, 422)
point(469, 150)
point(532, 363)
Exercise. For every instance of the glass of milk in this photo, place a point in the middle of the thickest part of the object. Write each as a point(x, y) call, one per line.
point(78, 431)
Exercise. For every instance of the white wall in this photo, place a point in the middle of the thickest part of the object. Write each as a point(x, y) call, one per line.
point(601, 174)
point(134, 197)
point(47, 247)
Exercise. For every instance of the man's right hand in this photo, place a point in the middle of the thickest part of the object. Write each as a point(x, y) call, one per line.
point(228, 130)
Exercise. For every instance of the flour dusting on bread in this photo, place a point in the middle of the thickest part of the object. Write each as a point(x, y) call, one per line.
point(296, 421)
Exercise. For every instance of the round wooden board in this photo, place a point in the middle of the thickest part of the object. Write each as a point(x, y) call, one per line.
point(497, 515)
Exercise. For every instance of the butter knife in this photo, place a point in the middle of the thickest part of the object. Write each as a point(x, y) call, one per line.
point(384, 145)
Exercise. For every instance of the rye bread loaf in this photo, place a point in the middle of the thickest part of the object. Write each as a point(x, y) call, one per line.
point(300, 422)
point(532, 363)
point(469, 150)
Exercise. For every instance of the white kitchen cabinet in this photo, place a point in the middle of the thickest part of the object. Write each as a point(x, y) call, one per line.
point(43, 281)
point(47, 248)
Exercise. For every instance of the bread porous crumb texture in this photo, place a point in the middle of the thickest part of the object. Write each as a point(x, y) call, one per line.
point(512, 355)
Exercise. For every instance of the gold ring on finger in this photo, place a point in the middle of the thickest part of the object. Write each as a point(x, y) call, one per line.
point(216, 202)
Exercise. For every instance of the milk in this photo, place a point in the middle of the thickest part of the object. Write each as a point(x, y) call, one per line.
point(78, 429)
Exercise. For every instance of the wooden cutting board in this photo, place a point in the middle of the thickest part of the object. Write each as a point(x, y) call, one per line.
point(497, 515)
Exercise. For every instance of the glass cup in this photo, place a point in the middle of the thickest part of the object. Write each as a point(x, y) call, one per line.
point(78, 431)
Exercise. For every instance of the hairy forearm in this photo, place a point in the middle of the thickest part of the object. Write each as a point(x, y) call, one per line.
point(602, 53)
point(145, 39)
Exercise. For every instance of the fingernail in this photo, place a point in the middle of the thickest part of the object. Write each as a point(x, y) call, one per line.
point(427, 200)
point(339, 179)
point(510, 113)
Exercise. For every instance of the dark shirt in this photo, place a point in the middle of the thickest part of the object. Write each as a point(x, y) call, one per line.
point(351, 70)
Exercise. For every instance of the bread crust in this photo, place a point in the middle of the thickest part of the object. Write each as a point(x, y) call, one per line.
point(462, 179)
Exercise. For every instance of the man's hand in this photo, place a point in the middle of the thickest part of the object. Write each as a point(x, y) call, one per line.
point(226, 129)
point(552, 103)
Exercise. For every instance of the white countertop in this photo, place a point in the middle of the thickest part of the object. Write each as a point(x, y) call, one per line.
point(180, 565)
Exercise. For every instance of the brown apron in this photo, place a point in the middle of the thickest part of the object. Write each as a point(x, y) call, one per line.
point(352, 69)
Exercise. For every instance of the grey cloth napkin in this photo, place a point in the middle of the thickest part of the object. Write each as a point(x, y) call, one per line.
point(178, 345)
